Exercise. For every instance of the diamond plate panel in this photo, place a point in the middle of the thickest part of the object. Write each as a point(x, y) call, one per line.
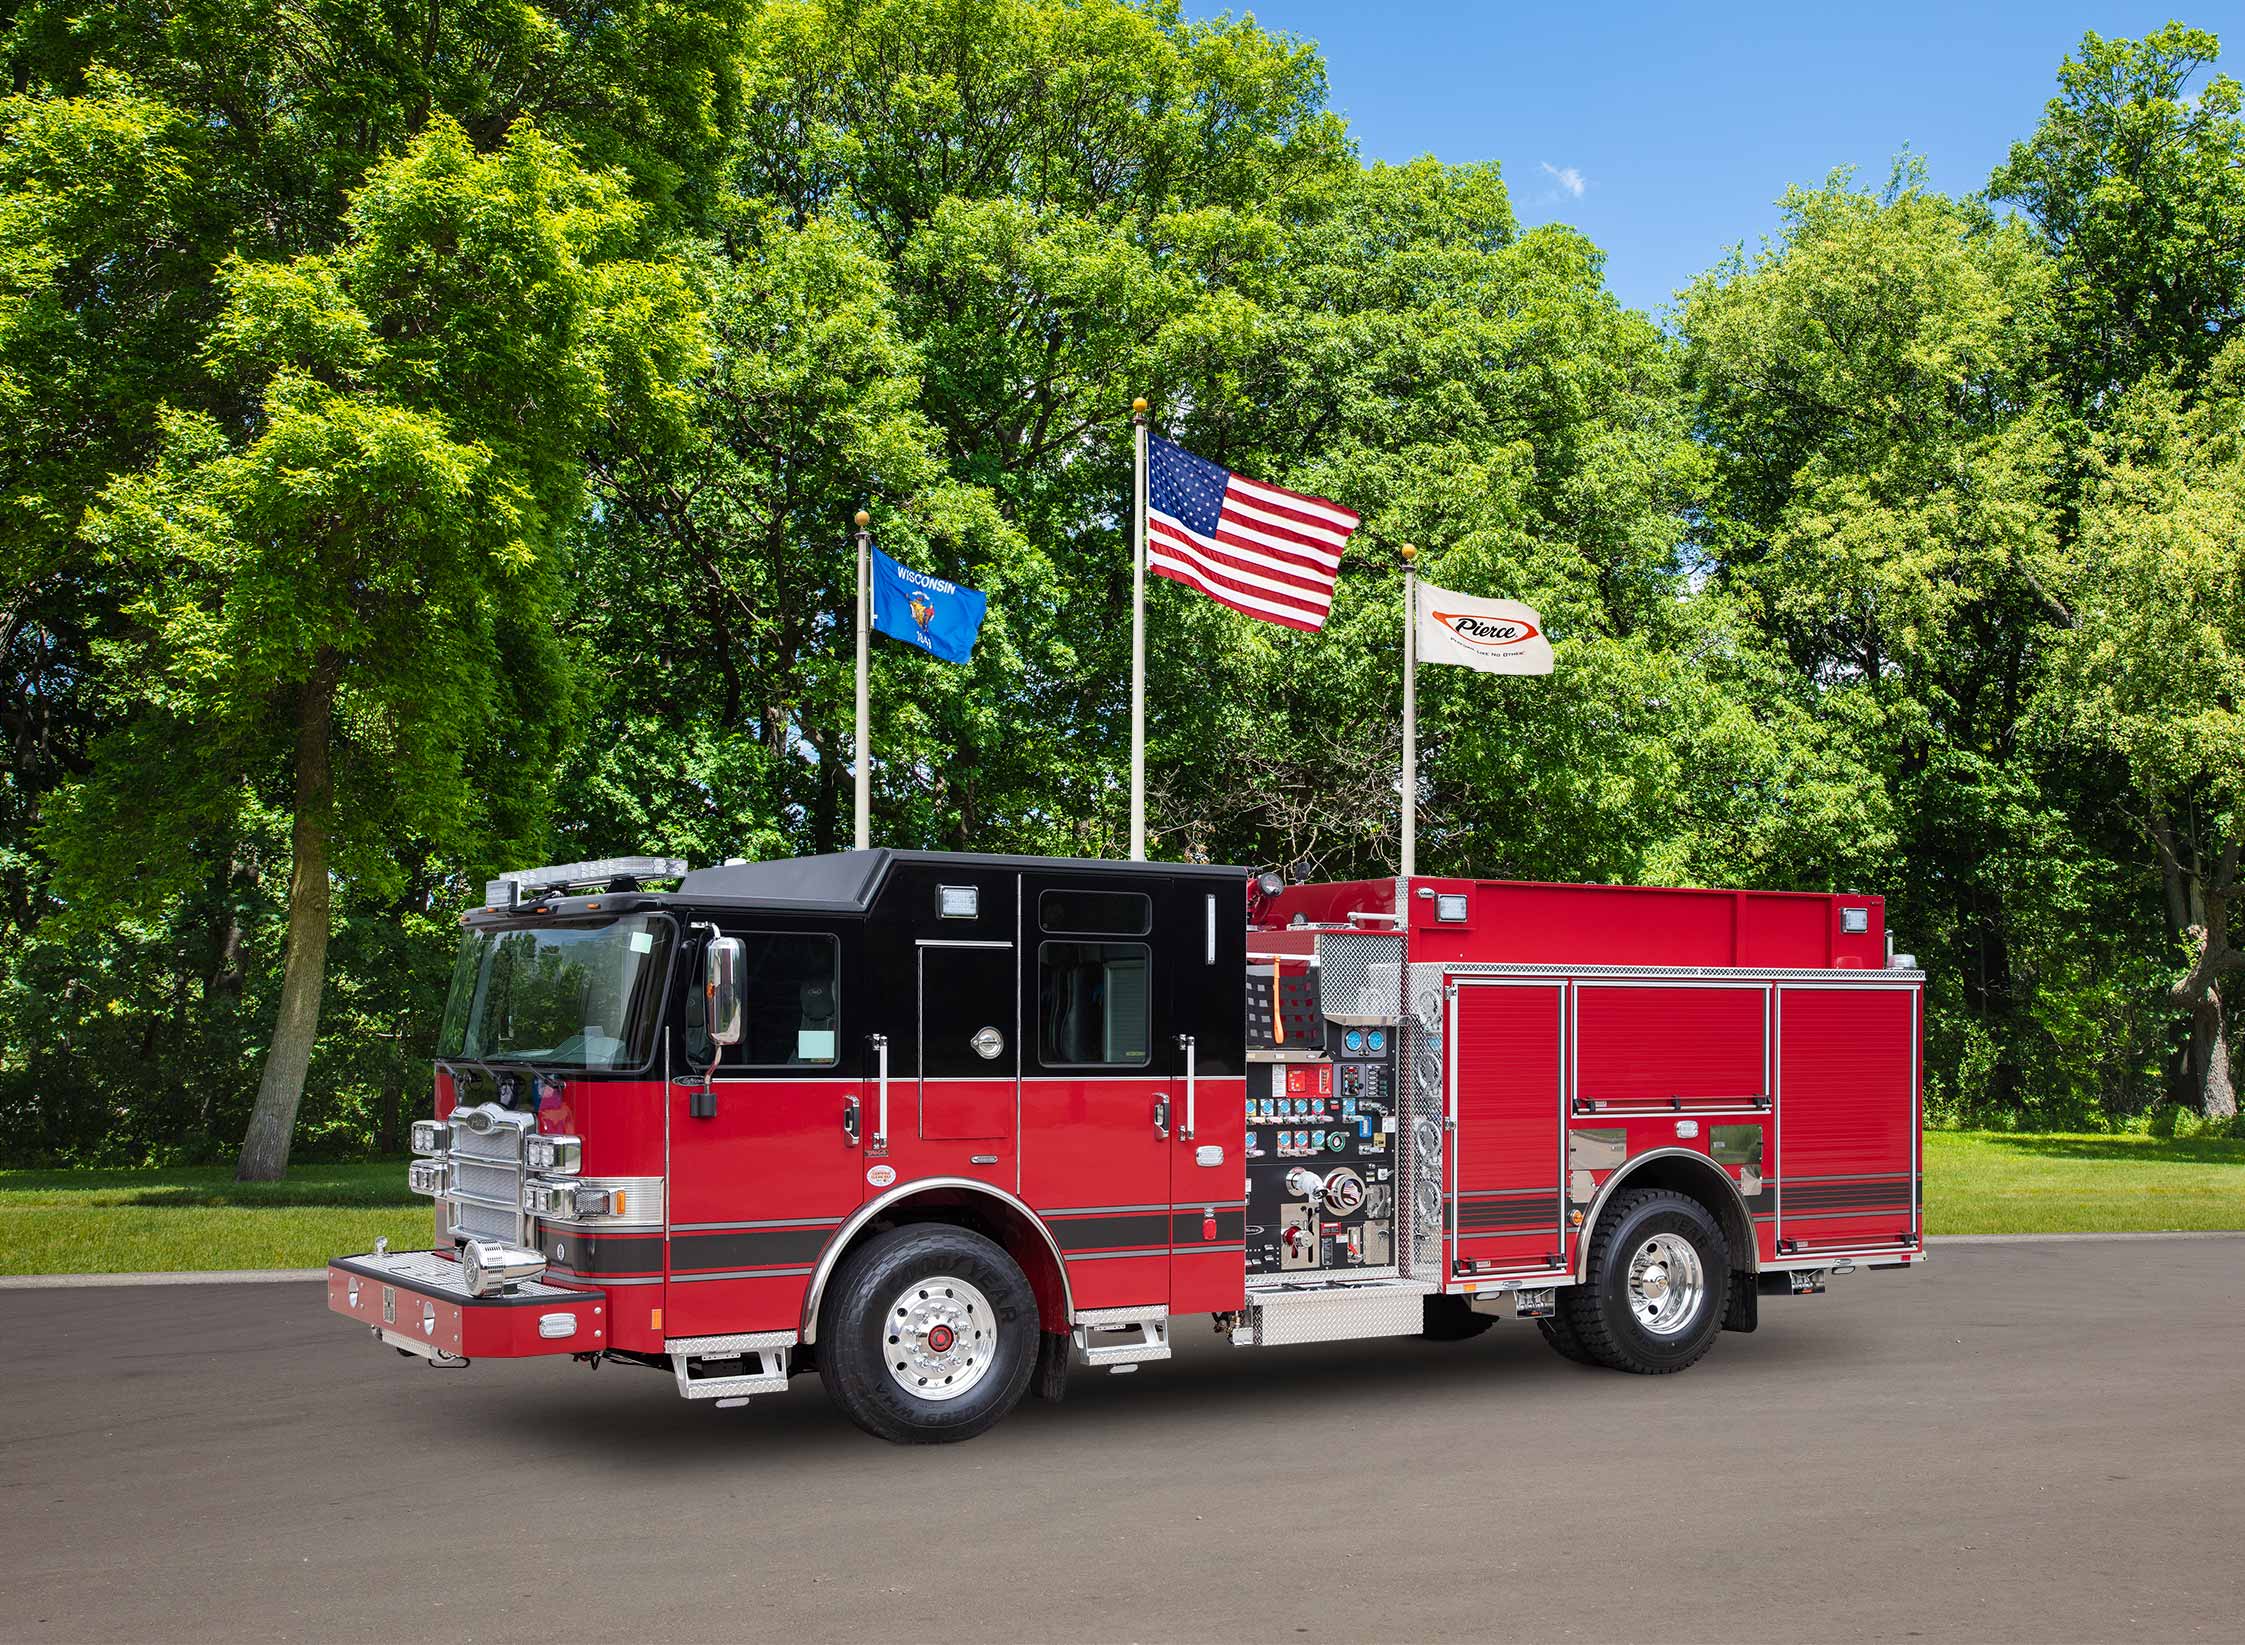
point(1419, 1205)
point(1359, 976)
point(1338, 1315)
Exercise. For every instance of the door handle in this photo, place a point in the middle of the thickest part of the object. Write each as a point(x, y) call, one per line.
point(849, 1119)
point(1161, 1116)
point(1186, 1040)
point(881, 1114)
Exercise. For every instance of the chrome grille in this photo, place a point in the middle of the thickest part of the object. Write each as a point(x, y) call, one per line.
point(487, 1173)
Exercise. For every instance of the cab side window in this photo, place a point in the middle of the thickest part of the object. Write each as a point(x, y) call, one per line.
point(1094, 1004)
point(791, 1003)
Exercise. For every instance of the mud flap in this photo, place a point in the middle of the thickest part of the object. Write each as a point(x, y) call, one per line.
point(1050, 1380)
point(1745, 1310)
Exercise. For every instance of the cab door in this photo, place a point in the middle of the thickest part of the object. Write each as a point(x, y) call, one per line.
point(764, 1148)
point(970, 1041)
point(1101, 1102)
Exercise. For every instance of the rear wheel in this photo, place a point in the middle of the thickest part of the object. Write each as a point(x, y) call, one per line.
point(928, 1334)
point(1659, 1277)
point(1559, 1331)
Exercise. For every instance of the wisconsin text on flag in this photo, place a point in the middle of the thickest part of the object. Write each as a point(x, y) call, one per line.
point(1258, 548)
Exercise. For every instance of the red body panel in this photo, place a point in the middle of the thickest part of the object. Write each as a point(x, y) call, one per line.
point(755, 1190)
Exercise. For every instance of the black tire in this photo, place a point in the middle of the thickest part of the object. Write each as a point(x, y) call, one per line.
point(1452, 1319)
point(855, 1338)
point(1558, 1330)
point(1599, 1312)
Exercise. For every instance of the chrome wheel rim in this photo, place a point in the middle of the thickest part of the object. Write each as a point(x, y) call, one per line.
point(1666, 1282)
point(938, 1337)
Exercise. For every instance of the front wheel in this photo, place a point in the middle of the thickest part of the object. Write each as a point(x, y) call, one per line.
point(928, 1334)
point(1658, 1279)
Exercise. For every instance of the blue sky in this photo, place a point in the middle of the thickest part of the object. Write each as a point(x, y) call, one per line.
point(1666, 132)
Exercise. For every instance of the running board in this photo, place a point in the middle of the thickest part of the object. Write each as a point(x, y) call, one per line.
point(732, 1368)
point(1276, 1316)
point(1122, 1336)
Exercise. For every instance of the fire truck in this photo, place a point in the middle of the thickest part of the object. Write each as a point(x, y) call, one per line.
point(944, 1127)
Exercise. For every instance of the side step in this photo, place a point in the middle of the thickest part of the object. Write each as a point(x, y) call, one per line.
point(1276, 1316)
point(1122, 1337)
point(731, 1368)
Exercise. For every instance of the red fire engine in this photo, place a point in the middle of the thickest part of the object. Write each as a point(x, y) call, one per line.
point(942, 1126)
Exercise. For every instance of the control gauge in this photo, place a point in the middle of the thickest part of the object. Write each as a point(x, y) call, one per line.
point(1377, 1039)
point(1354, 1040)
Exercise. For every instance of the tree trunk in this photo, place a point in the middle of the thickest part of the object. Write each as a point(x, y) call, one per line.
point(2217, 1097)
point(272, 1123)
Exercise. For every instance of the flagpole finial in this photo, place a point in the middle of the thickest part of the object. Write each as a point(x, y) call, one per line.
point(1408, 552)
point(1138, 407)
point(863, 519)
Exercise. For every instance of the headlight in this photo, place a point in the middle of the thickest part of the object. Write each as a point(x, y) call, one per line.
point(557, 1156)
point(426, 1176)
point(431, 1137)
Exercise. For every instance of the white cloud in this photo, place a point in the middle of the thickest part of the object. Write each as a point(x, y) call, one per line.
point(1569, 178)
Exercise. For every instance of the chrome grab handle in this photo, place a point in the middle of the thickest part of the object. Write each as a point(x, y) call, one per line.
point(1161, 1115)
point(1186, 1040)
point(881, 1114)
point(849, 1119)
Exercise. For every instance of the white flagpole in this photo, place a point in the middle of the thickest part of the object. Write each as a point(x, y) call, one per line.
point(1410, 711)
point(864, 746)
point(1138, 637)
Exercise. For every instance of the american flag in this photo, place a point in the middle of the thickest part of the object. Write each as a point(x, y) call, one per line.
point(1257, 548)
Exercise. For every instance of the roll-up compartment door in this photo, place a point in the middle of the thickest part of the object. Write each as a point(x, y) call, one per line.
point(1507, 1201)
point(1846, 1171)
point(1673, 1048)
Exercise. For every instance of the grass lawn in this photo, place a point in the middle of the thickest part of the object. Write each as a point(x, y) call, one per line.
point(94, 1222)
point(1995, 1182)
point(108, 1222)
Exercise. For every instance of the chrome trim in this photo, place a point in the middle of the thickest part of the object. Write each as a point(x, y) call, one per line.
point(1605, 1193)
point(880, 1139)
point(1836, 976)
point(1191, 1084)
point(815, 1292)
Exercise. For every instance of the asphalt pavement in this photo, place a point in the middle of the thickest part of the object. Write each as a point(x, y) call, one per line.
point(2032, 1442)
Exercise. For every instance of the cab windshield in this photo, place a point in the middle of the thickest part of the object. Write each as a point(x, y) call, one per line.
point(581, 994)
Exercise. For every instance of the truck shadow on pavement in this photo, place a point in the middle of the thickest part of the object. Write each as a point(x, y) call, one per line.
point(633, 1420)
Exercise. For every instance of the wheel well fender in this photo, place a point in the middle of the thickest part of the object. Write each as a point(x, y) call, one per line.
point(1693, 1175)
point(964, 1203)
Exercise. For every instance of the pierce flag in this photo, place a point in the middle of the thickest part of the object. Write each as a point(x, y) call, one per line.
point(1494, 636)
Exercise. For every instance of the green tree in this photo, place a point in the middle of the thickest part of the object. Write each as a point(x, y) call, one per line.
point(1890, 491)
point(2137, 185)
point(2152, 668)
point(349, 597)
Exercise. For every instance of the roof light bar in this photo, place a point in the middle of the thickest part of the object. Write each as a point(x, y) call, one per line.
point(513, 888)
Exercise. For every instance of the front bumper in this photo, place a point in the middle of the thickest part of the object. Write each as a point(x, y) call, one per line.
point(416, 1301)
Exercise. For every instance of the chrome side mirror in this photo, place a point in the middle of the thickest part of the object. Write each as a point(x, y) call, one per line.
point(721, 989)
